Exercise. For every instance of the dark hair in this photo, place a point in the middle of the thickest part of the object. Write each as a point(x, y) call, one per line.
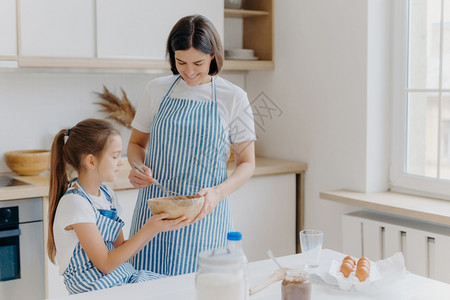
point(198, 32)
point(69, 147)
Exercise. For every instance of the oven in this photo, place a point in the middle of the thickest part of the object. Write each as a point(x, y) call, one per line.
point(9, 243)
point(21, 249)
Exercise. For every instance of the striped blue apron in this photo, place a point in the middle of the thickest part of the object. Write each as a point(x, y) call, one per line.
point(81, 275)
point(188, 149)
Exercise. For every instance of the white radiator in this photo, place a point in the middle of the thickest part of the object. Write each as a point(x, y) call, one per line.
point(425, 246)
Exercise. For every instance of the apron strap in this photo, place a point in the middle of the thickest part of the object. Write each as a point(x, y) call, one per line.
point(85, 194)
point(108, 196)
point(172, 86)
point(213, 86)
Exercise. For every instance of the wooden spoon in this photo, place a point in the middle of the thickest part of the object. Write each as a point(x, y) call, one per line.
point(276, 276)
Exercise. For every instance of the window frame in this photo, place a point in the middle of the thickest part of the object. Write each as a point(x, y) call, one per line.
point(399, 181)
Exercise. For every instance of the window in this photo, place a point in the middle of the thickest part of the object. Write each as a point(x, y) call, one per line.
point(421, 97)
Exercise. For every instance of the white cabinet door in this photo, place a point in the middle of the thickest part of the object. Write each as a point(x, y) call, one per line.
point(264, 211)
point(54, 282)
point(58, 28)
point(8, 28)
point(127, 200)
point(139, 28)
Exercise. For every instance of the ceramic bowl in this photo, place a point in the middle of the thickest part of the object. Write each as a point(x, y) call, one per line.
point(28, 162)
point(178, 206)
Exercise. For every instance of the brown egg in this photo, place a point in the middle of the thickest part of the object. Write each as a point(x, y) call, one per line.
point(350, 258)
point(363, 261)
point(346, 268)
point(362, 273)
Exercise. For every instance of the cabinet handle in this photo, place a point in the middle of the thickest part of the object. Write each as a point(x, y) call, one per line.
point(10, 233)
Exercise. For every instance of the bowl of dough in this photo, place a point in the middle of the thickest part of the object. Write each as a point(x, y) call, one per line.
point(177, 206)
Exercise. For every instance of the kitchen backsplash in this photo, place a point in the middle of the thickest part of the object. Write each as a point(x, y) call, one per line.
point(35, 104)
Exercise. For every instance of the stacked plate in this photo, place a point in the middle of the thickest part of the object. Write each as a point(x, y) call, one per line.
point(241, 54)
point(236, 4)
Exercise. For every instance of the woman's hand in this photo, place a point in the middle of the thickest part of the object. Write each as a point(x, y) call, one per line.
point(160, 223)
point(139, 180)
point(212, 198)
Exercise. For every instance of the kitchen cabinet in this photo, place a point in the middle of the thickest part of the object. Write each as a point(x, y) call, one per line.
point(104, 33)
point(250, 28)
point(8, 32)
point(53, 28)
point(54, 282)
point(264, 211)
point(140, 29)
point(118, 34)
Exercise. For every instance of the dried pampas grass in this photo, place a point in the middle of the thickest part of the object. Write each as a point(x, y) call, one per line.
point(119, 110)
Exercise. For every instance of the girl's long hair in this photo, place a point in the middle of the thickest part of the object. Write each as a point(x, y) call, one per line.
point(87, 137)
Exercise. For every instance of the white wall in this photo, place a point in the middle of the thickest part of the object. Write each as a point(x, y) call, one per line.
point(332, 110)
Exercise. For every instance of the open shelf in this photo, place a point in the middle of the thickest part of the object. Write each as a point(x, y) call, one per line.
point(106, 63)
point(243, 65)
point(130, 64)
point(243, 13)
point(256, 33)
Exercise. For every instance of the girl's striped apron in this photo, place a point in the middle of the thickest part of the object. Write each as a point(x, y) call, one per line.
point(187, 151)
point(81, 274)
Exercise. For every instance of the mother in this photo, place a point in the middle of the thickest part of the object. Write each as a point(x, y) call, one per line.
point(182, 132)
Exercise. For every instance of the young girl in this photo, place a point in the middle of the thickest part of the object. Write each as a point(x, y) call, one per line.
point(85, 232)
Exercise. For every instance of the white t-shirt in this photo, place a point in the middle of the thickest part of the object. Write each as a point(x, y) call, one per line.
point(73, 209)
point(232, 102)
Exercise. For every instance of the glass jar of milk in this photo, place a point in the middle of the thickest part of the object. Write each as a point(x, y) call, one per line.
point(220, 276)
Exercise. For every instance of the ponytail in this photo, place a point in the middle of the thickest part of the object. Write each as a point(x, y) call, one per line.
point(58, 186)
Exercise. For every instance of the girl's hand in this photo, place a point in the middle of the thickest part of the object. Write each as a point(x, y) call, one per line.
point(160, 223)
point(212, 198)
point(139, 180)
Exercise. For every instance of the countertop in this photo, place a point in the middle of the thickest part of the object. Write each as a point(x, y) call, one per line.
point(411, 286)
point(39, 188)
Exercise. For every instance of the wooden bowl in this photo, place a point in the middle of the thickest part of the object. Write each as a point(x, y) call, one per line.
point(178, 206)
point(28, 162)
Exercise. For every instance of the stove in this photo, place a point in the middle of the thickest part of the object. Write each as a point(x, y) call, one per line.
point(8, 181)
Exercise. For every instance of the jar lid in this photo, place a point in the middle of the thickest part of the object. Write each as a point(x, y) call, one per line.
point(219, 257)
point(298, 273)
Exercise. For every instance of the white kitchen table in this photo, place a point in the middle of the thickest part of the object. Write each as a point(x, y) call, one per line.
point(183, 287)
